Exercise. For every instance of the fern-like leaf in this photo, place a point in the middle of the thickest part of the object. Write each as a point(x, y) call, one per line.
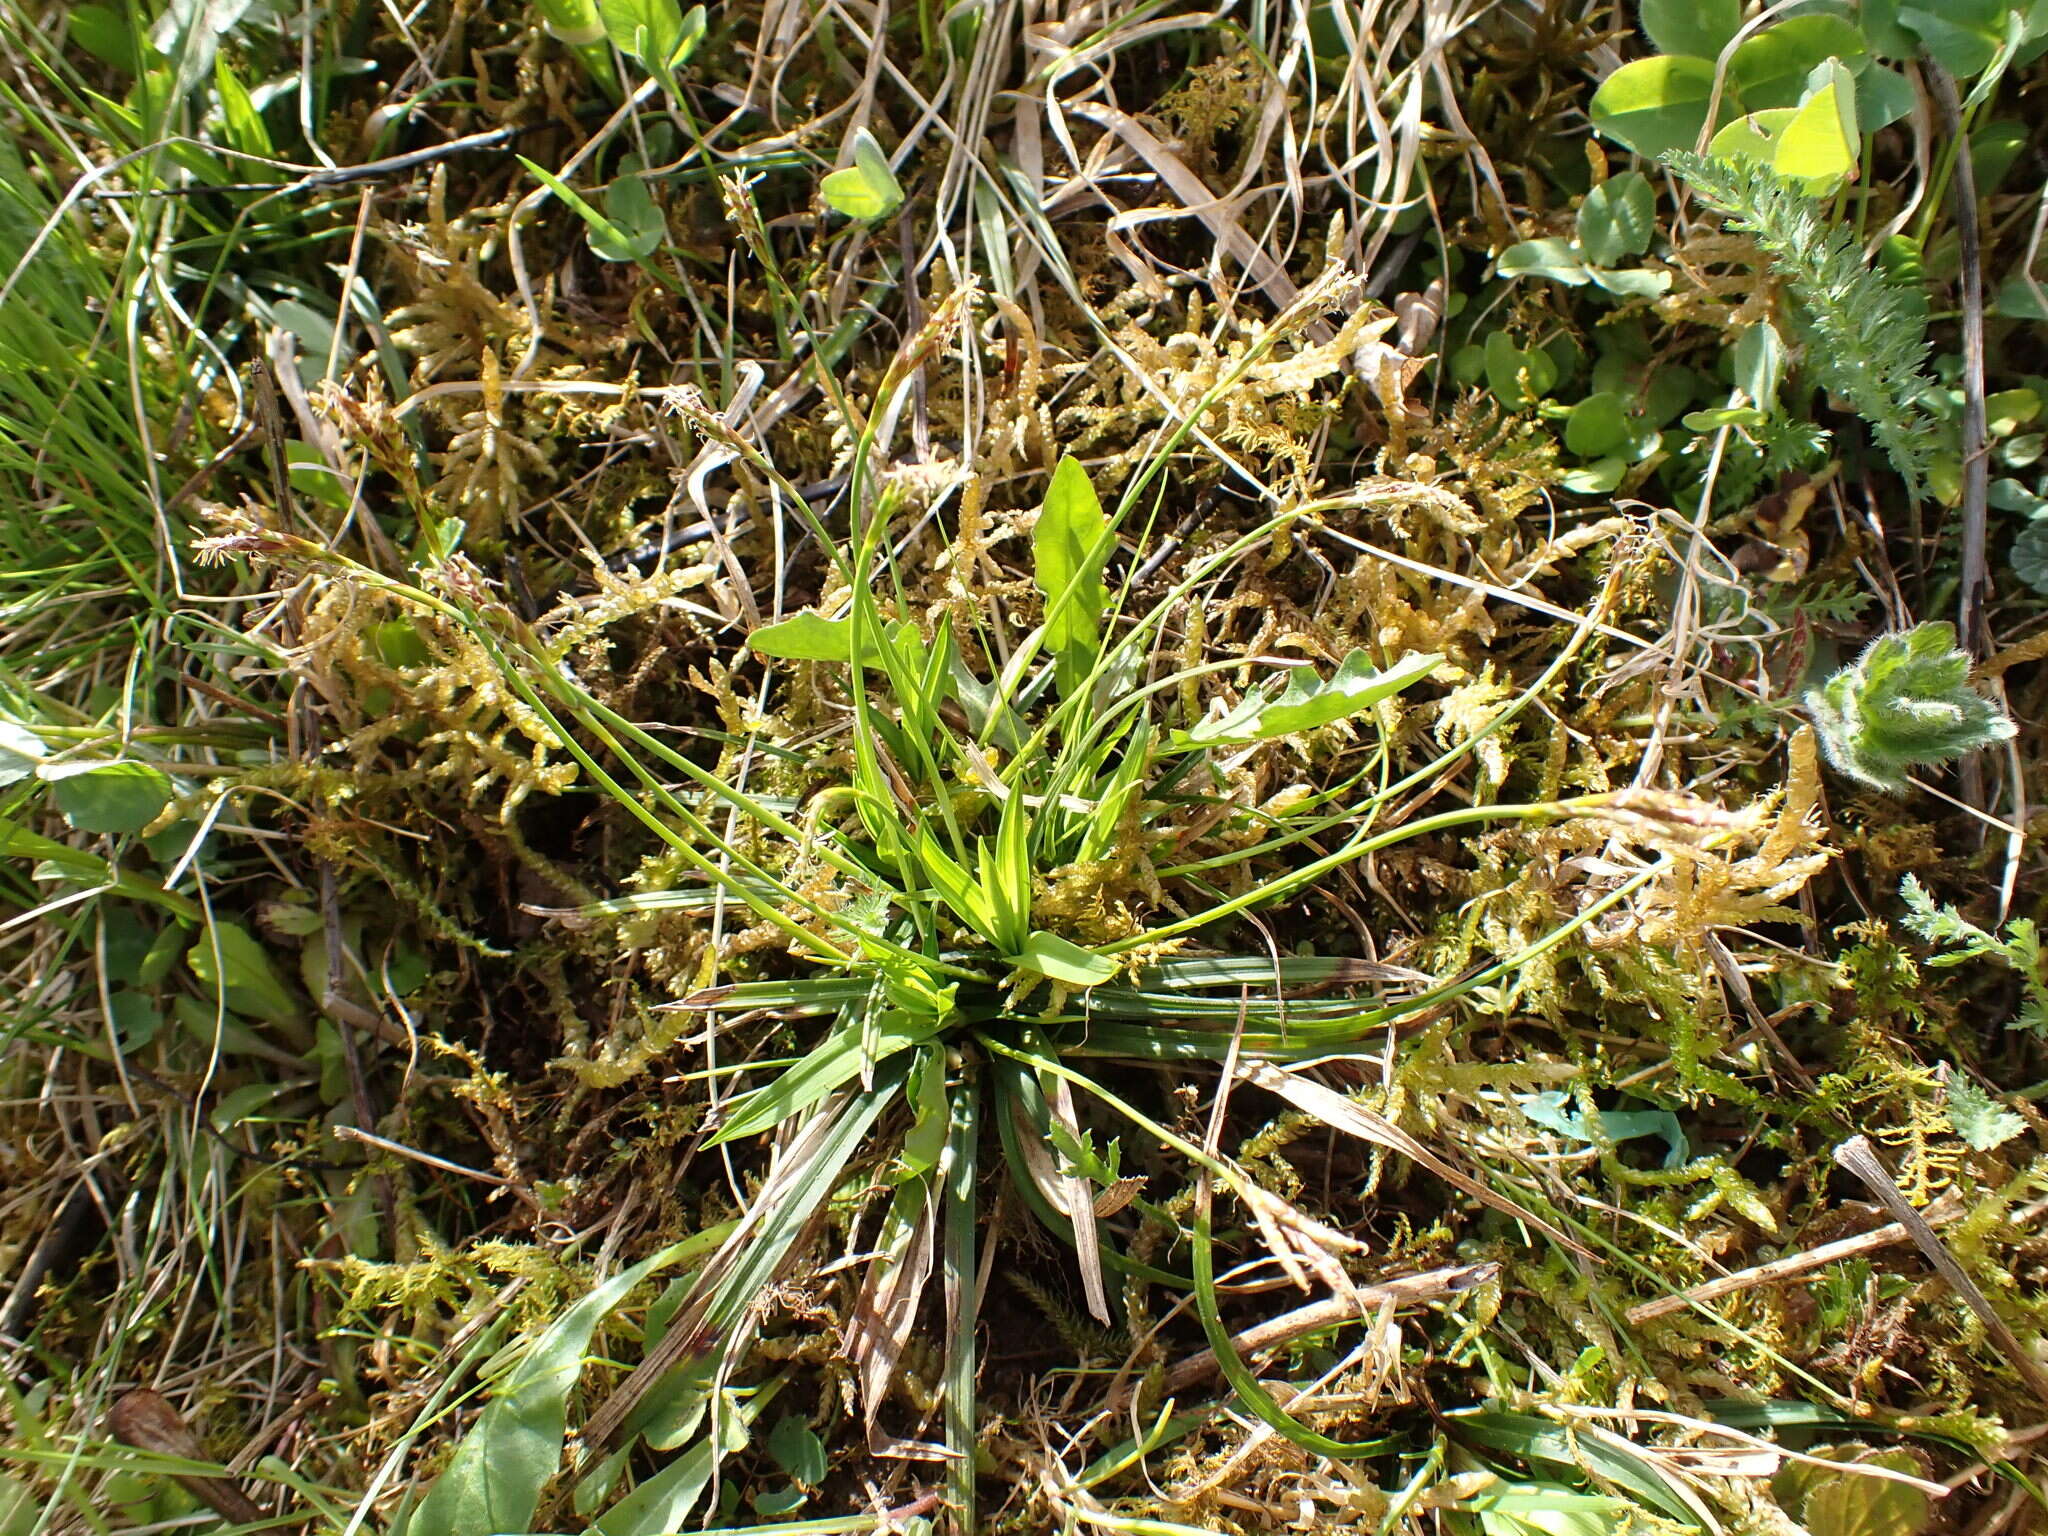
point(1866, 339)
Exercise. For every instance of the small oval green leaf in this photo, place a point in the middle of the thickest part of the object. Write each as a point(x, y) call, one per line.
point(108, 797)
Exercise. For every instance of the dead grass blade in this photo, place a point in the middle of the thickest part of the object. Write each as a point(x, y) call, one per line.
point(1354, 1119)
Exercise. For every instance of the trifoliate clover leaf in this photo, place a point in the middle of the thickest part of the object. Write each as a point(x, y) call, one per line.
point(1904, 703)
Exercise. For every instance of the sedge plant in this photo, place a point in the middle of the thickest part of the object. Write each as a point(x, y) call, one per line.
point(945, 1009)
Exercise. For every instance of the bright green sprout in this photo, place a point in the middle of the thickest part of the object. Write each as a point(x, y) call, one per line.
point(1904, 704)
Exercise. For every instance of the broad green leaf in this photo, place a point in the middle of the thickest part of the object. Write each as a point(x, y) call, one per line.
point(1771, 68)
point(1550, 257)
point(1851, 1503)
point(2022, 299)
point(868, 188)
point(20, 751)
point(1964, 35)
point(1597, 478)
point(1517, 378)
point(493, 1482)
point(1698, 27)
point(810, 636)
point(1818, 147)
point(2006, 411)
point(1544, 1509)
point(1655, 105)
point(1617, 219)
point(1598, 426)
point(1760, 361)
point(241, 972)
point(108, 797)
point(211, 1030)
point(1752, 140)
point(1632, 282)
point(1064, 961)
point(136, 1018)
point(600, 225)
point(1904, 703)
point(654, 32)
point(798, 1450)
point(832, 1065)
point(1994, 146)
point(1554, 1110)
point(1879, 21)
point(103, 32)
point(1978, 1118)
point(1069, 546)
point(664, 1502)
point(1309, 701)
point(1883, 96)
point(631, 212)
point(575, 22)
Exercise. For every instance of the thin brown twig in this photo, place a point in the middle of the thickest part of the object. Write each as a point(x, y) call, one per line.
point(1976, 464)
point(1402, 1291)
point(1943, 1211)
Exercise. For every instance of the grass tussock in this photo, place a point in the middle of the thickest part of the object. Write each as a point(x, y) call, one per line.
point(834, 769)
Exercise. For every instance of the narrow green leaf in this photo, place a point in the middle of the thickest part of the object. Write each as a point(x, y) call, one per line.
point(960, 891)
point(1309, 701)
point(833, 1065)
point(245, 127)
point(1063, 960)
point(599, 223)
point(1007, 873)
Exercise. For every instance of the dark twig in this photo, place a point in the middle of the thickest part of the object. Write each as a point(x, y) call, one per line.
point(340, 175)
